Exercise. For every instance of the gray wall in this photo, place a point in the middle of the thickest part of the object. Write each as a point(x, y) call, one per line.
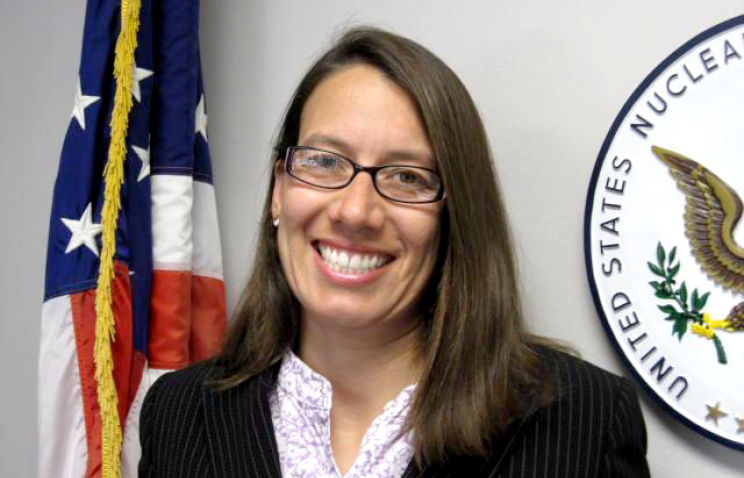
point(549, 78)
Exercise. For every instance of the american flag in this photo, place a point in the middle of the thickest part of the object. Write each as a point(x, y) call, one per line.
point(168, 294)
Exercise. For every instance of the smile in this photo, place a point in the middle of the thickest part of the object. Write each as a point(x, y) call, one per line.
point(351, 263)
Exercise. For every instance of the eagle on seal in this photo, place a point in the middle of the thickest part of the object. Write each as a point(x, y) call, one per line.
point(712, 211)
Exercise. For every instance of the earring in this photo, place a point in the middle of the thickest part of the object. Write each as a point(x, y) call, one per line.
point(275, 222)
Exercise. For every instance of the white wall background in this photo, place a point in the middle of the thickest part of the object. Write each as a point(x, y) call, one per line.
point(549, 78)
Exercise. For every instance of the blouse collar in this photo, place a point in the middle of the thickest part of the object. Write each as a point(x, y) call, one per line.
point(312, 390)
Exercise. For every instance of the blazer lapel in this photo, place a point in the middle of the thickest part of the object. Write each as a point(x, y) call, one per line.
point(239, 429)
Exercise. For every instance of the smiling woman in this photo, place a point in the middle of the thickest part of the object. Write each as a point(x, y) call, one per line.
point(359, 112)
point(380, 333)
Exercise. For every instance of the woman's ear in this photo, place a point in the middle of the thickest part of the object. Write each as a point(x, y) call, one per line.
point(276, 195)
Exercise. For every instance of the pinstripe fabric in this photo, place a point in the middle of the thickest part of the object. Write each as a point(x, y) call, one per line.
point(594, 428)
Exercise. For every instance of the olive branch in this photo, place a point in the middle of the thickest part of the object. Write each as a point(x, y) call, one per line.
point(685, 307)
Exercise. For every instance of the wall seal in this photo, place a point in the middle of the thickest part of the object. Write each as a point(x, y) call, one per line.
point(663, 235)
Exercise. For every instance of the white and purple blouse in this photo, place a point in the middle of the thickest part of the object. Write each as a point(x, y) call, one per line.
point(301, 413)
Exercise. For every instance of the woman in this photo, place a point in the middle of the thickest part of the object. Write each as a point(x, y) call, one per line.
point(380, 333)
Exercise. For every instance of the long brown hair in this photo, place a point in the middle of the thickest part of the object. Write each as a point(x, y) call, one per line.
point(481, 369)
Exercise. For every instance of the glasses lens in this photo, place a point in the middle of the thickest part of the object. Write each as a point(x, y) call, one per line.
point(320, 168)
point(408, 183)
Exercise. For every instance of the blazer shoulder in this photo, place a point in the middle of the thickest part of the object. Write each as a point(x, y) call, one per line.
point(594, 425)
point(193, 376)
point(183, 386)
point(173, 425)
point(576, 375)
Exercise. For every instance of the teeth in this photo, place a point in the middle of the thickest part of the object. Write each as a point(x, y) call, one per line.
point(342, 261)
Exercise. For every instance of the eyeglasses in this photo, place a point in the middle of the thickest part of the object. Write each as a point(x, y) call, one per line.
point(399, 183)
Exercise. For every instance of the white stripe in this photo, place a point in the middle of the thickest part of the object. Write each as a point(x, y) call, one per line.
point(185, 230)
point(63, 451)
point(207, 250)
point(131, 450)
point(172, 199)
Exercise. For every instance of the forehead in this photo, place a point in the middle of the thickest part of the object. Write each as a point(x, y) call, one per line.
point(365, 113)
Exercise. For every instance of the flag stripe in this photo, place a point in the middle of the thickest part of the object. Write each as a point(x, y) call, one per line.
point(63, 444)
point(170, 319)
point(172, 225)
point(128, 365)
point(185, 228)
point(84, 328)
point(208, 320)
point(184, 327)
point(207, 258)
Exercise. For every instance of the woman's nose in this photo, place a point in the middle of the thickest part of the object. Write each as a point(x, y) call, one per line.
point(358, 205)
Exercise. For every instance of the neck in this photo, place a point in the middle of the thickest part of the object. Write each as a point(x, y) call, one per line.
point(365, 368)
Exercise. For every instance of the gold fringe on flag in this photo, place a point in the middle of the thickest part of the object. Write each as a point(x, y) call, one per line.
point(111, 434)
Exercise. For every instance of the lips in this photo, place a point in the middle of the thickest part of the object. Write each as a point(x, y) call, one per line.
point(351, 262)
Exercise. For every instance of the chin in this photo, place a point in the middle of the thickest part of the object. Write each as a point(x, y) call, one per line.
point(344, 316)
point(346, 313)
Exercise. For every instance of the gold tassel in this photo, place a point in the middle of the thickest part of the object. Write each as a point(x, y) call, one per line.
point(111, 434)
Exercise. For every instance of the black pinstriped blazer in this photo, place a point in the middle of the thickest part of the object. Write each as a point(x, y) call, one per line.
point(593, 429)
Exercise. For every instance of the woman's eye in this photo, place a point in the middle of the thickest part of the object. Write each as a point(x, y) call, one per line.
point(410, 177)
point(407, 177)
point(323, 162)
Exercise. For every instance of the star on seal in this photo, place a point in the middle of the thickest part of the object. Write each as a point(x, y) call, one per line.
point(715, 412)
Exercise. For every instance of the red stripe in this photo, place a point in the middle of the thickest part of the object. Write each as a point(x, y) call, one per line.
point(170, 319)
point(187, 318)
point(209, 319)
point(81, 305)
point(128, 365)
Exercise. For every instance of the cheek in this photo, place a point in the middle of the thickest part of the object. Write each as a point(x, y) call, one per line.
point(424, 237)
point(300, 220)
point(300, 208)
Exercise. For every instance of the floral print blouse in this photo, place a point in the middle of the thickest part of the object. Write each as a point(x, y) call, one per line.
point(300, 410)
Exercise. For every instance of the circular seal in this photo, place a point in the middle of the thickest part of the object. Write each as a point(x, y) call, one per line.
point(664, 255)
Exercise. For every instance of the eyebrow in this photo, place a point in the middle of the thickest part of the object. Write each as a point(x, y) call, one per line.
point(346, 148)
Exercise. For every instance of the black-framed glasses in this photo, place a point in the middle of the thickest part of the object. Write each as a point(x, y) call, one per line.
point(399, 183)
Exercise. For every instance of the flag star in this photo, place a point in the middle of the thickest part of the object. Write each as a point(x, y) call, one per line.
point(139, 75)
point(81, 102)
point(144, 156)
point(84, 231)
point(201, 118)
point(715, 412)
